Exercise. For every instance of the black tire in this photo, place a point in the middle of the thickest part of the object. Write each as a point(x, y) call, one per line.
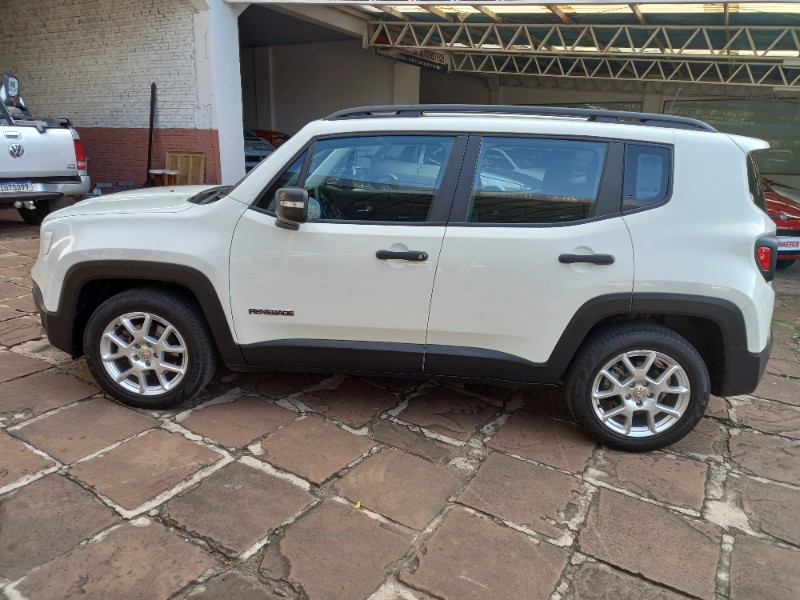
point(42, 209)
point(198, 357)
point(37, 215)
point(784, 263)
point(610, 344)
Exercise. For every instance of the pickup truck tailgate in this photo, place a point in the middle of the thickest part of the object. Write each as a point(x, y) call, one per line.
point(27, 154)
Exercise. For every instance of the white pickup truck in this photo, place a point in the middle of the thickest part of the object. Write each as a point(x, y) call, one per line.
point(42, 160)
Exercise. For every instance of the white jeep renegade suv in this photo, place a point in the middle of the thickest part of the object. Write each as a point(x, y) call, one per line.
point(627, 254)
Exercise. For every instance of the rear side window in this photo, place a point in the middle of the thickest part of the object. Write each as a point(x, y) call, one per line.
point(536, 180)
point(755, 184)
point(648, 172)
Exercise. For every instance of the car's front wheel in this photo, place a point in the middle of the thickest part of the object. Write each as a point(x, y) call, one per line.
point(150, 348)
point(638, 387)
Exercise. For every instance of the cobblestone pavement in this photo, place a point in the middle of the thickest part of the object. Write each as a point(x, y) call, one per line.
point(297, 486)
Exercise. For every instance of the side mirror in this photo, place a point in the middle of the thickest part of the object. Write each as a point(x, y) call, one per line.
point(291, 207)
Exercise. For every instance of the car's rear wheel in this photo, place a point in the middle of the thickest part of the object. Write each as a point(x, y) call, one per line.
point(637, 387)
point(784, 263)
point(150, 348)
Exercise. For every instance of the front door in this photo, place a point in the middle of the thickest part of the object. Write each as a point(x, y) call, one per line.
point(357, 277)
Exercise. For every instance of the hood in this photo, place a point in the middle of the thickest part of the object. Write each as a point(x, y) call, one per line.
point(161, 199)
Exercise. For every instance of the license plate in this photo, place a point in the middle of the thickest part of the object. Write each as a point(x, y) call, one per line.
point(16, 186)
point(789, 243)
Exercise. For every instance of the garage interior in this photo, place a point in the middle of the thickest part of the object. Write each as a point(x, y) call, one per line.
point(734, 65)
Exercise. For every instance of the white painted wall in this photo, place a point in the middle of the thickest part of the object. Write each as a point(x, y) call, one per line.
point(94, 60)
point(309, 81)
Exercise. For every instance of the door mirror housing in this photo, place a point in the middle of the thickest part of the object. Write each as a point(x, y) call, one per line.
point(291, 207)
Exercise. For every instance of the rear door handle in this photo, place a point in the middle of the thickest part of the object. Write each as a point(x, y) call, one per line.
point(412, 255)
point(595, 259)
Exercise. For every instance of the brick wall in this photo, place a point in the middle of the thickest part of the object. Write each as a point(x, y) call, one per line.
point(93, 61)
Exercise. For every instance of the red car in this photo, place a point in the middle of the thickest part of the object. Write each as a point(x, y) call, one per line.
point(783, 205)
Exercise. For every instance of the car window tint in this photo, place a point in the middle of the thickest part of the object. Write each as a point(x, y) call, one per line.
point(288, 178)
point(647, 175)
point(376, 178)
point(536, 180)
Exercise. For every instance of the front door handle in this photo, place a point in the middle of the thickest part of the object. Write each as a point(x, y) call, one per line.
point(413, 255)
point(595, 259)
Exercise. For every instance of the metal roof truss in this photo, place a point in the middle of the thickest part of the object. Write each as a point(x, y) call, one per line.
point(725, 55)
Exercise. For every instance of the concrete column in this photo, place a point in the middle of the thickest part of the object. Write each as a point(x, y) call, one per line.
point(219, 83)
point(406, 84)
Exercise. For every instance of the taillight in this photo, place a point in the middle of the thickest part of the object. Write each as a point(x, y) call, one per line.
point(765, 258)
point(767, 255)
point(80, 155)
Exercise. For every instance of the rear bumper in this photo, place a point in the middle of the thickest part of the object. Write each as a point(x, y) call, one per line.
point(47, 190)
point(743, 370)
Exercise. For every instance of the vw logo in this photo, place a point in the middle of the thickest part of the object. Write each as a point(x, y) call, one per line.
point(16, 150)
point(784, 217)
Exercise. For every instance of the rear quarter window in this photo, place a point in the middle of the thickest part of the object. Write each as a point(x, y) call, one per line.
point(648, 173)
point(754, 184)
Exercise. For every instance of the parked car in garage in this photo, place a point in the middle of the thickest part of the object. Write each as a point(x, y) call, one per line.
point(43, 163)
point(276, 138)
point(256, 149)
point(783, 205)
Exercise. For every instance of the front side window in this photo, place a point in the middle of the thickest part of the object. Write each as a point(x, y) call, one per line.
point(373, 178)
point(536, 180)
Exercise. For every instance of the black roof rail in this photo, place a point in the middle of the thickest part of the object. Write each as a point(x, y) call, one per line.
point(590, 114)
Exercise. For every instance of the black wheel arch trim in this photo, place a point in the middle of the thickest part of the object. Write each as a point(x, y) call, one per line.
point(60, 324)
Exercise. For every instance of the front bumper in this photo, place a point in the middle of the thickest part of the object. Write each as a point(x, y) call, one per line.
point(743, 370)
point(56, 326)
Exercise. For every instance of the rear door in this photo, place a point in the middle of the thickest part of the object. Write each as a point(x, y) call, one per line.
point(27, 155)
point(528, 247)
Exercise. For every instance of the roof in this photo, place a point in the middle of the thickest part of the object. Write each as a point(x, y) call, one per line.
point(725, 43)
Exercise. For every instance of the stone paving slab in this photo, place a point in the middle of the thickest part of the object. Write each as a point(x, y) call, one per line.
point(133, 561)
point(781, 389)
point(471, 557)
point(232, 586)
point(353, 403)
point(18, 461)
point(45, 519)
point(707, 439)
point(13, 365)
point(83, 429)
point(35, 394)
point(596, 581)
point(770, 417)
point(144, 467)
point(766, 456)
point(313, 449)
point(17, 331)
point(263, 503)
point(642, 538)
point(550, 442)
point(238, 423)
point(448, 412)
point(403, 438)
point(336, 552)
point(770, 507)
point(404, 488)
point(676, 481)
point(530, 496)
point(762, 570)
